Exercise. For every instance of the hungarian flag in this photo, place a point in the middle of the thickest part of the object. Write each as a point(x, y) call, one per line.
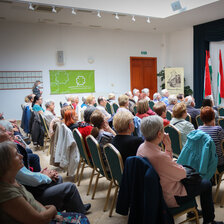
point(220, 80)
point(207, 79)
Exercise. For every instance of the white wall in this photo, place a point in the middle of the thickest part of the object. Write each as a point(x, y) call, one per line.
point(179, 52)
point(30, 47)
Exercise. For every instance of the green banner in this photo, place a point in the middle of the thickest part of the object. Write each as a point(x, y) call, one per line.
point(72, 81)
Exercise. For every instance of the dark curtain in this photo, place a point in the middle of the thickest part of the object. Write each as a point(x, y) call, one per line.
point(203, 34)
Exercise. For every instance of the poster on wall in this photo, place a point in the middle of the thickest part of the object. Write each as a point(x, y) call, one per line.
point(174, 80)
point(72, 81)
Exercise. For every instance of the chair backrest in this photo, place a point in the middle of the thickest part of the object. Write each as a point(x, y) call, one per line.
point(44, 124)
point(169, 115)
point(175, 137)
point(115, 107)
point(115, 162)
point(95, 105)
point(151, 104)
point(199, 121)
point(135, 109)
point(221, 111)
point(188, 118)
point(81, 146)
point(96, 155)
point(221, 122)
point(108, 108)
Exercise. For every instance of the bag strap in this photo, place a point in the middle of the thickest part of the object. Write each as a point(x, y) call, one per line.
point(177, 122)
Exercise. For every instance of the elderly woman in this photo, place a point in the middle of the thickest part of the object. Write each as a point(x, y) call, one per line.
point(126, 144)
point(36, 105)
point(171, 173)
point(143, 109)
point(207, 115)
point(17, 205)
point(178, 120)
point(90, 100)
point(160, 109)
point(172, 99)
point(71, 119)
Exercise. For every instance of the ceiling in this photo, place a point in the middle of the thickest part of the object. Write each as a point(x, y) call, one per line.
point(162, 21)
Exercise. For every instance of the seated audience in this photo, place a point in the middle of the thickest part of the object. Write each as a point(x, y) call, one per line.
point(17, 205)
point(49, 113)
point(47, 187)
point(145, 94)
point(160, 109)
point(180, 97)
point(172, 99)
point(90, 100)
point(101, 130)
point(207, 115)
point(36, 105)
point(125, 143)
point(178, 120)
point(209, 103)
point(165, 95)
point(123, 102)
point(143, 109)
point(71, 119)
point(189, 101)
point(102, 102)
point(136, 94)
point(156, 97)
point(131, 102)
point(175, 193)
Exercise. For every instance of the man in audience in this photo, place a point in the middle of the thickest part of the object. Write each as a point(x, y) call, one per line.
point(136, 94)
point(131, 101)
point(145, 94)
point(49, 113)
point(156, 97)
point(47, 187)
point(124, 142)
point(102, 102)
point(172, 99)
point(189, 101)
point(165, 94)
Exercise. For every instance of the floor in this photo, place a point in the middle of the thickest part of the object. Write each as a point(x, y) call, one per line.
point(96, 215)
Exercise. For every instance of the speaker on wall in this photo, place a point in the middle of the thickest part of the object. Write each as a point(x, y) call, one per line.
point(176, 5)
point(60, 57)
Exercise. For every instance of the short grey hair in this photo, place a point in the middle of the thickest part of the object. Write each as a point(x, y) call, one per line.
point(145, 90)
point(48, 103)
point(172, 99)
point(150, 126)
point(156, 95)
point(5, 156)
point(135, 91)
point(189, 100)
point(163, 92)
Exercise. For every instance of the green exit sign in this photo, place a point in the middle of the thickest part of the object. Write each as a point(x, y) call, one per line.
point(143, 52)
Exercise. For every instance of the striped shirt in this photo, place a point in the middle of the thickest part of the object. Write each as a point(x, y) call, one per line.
point(217, 134)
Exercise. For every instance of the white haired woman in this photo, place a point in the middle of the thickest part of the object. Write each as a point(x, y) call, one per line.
point(17, 205)
point(171, 173)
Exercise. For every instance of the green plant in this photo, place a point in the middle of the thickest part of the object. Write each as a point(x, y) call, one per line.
point(187, 89)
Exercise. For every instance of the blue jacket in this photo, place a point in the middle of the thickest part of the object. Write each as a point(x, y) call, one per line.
point(199, 152)
point(140, 191)
point(25, 119)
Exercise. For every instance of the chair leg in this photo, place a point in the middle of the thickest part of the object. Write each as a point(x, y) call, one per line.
point(80, 176)
point(48, 151)
point(94, 190)
point(108, 195)
point(222, 201)
point(217, 188)
point(196, 216)
point(113, 202)
point(90, 181)
point(77, 172)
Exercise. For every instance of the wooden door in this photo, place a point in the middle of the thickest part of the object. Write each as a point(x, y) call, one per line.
point(144, 73)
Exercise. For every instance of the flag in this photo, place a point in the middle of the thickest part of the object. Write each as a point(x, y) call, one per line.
point(220, 81)
point(210, 65)
point(207, 79)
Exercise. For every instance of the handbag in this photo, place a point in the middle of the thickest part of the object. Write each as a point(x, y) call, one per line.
point(192, 176)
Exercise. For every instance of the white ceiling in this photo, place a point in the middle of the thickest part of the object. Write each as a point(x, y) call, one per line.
point(18, 11)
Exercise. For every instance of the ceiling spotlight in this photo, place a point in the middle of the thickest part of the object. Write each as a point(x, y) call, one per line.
point(98, 14)
point(31, 6)
point(116, 16)
point(133, 18)
point(73, 11)
point(148, 20)
point(53, 9)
